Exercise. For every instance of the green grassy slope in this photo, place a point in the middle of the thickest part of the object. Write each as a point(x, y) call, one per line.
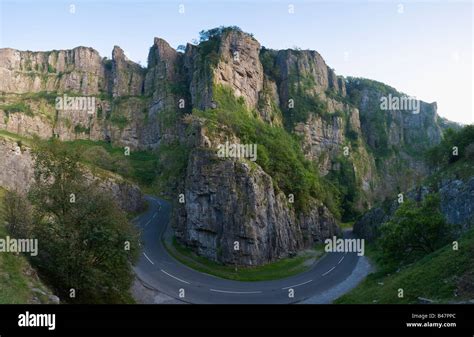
point(446, 275)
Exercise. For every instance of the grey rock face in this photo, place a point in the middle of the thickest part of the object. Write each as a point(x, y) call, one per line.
point(229, 201)
point(80, 70)
point(239, 66)
point(457, 202)
point(456, 205)
point(368, 226)
point(16, 166)
point(199, 78)
point(127, 77)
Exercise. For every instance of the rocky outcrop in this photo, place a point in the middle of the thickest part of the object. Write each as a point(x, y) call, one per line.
point(229, 202)
point(308, 70)
point(127, 77)
point(457, 202)
point(17, 173)
point(79, 70)
point(239, 66)
point(456, 205)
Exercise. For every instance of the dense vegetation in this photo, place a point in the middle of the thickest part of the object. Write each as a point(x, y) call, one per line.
point(415, 230)
point(444, 276)
point(347, 187)
point(140, 166)
point(455, 145)
point(415, 250)
point(17, 278)
point(85, 242)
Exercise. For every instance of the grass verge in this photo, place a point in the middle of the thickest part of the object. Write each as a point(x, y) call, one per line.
point(445, 275)
point(271, 271)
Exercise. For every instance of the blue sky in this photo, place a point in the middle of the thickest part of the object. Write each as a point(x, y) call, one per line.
point(423, 48)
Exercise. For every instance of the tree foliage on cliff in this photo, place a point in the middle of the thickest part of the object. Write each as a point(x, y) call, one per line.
point(82, 234)
point(415, 230)
point(455, 145)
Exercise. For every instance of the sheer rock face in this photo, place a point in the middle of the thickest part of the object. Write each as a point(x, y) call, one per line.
point(239, 67)
point(199, 78)
point(26, 125)
point(127, 77)
point(229, 202)
point(308, 66)
point(163, 71)
point(17, 174)
point(79, 70)
point(457, 202)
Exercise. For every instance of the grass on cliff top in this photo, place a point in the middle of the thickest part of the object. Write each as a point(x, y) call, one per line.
point(15, 285)
point(139, 166)
point(438, 276)
point(271, 271)
point(15, 137)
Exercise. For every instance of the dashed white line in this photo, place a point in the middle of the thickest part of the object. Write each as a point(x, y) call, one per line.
point(174, 277)
point(148, 258)
point(342, 258)
point(154, 215)
point(330, 270)
point(147, 223)
point(297, 285)
point(235, 292)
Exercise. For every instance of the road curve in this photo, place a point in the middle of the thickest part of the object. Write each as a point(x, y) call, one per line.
point(164, 273)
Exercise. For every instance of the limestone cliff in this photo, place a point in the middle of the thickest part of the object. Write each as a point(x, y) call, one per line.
point(362, 154)
point(229, 201)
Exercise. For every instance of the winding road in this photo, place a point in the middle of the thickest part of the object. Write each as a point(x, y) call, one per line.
point(164, 273)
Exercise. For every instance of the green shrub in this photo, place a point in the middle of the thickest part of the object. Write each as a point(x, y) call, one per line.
point(415, 230)
point(443, 153)
point(17, 107)
point(81, 129)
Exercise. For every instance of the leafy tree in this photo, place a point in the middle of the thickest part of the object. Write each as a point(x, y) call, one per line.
point(17, 213)
point(205, 35)
point(414, 231)
point(443, 153)
point(82, 234)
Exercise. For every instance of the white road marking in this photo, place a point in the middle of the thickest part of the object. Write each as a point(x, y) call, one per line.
point(174, 277)
point(330, 270)
point(154, 215)
point(148, 258)
point(147, 223)
point(297, 285)
point(342, 258)
point(235, 292)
